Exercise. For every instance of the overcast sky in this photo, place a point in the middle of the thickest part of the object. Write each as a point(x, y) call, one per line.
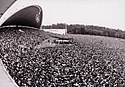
point(107, 13)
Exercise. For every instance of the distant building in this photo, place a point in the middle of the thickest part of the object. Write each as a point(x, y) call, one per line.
point(57, 31)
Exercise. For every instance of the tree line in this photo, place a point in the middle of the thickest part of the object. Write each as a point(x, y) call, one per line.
point(87, 29)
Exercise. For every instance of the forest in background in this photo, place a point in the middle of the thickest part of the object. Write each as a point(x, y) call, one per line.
point(87, 29)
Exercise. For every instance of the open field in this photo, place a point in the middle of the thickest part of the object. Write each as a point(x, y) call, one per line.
point(92, 61)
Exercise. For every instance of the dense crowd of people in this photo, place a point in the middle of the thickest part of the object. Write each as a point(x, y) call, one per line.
point(82, 64)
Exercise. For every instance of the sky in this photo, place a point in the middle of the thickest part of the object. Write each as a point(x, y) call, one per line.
point(106, 13)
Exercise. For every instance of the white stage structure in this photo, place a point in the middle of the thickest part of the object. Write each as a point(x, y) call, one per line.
point(12, 12)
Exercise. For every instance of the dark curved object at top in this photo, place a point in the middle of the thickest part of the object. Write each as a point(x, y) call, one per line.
point(30, 16)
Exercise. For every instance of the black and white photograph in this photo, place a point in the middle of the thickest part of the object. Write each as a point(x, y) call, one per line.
point(62, 43)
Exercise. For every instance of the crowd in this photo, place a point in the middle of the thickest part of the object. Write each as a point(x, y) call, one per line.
point(89, 64)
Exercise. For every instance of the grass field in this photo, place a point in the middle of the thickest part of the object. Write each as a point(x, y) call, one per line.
point(92, 61)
